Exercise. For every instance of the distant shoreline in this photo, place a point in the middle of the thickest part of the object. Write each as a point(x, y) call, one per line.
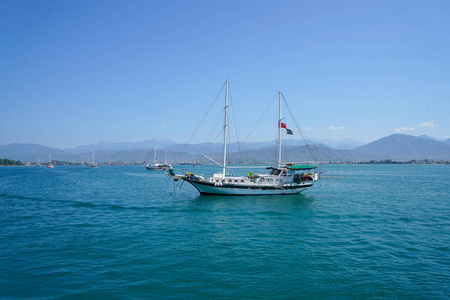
point(11, 163)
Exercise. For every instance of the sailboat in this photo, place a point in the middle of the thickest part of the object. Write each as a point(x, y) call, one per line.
point(93, 165)
point(156, 166)
point(282, 179)
point(50, 165)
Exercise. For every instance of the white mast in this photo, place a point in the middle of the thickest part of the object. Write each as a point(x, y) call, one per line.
point(93, 161)
point(154, 161)
point(224, 168)
point(279, 130)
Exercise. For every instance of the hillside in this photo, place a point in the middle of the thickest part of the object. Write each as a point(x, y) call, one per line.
point(404, 147)
point(29, 152)
point(397, 147)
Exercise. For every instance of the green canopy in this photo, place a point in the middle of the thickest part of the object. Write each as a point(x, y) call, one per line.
point(303, 167)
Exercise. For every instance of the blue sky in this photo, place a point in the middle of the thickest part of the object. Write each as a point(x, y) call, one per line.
point(81, 72)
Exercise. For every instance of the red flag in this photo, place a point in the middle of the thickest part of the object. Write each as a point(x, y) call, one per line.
point(281, 125)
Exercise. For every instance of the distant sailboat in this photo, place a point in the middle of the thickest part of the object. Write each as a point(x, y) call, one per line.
point(50, 165)
point(155, 166)
point(93, 165)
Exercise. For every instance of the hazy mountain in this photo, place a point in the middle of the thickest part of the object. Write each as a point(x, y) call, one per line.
point(150, 144)
point(432, 138)
point(348, 144)
point(397, 146)
point(345, 144)
point(403, 147)
point(195, 148)
point(29, 152)
point(298, 154)
point(428, 137)
point(217, 147)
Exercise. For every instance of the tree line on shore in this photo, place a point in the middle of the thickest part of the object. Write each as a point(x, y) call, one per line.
point(9, 162)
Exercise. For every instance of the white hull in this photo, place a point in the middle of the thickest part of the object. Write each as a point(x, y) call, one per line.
point(157, 168)
point(206, 189)
point(153, 169)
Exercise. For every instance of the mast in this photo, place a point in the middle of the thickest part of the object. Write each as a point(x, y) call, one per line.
point(224, 167)
point(154, 161)
point(279, 130)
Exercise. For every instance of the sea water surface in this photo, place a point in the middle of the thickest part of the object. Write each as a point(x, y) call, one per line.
point(122, 232)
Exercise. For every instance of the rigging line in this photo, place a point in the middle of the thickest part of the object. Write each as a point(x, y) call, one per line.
point(260, 118)
point(304, 136)
point(145, 161)
point(302, 133)
point(207, 145)
point(198, 126)
point(238, 134)
point(206, 148)
point(252, 86)
point(180, 186)
point(236, 128)
point(275, 146)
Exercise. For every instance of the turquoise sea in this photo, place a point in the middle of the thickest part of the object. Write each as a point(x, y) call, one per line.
point(122, 232)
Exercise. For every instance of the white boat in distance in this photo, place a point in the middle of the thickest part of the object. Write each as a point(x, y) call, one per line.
point(282, 179)
point(93, 165)
point(155, 166)
point(50, 165)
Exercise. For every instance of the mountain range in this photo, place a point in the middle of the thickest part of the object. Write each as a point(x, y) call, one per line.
point(396, 146)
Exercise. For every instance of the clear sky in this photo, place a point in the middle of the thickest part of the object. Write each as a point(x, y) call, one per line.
point(81, 72)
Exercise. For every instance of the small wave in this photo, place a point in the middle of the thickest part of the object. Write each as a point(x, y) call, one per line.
point(271, 213)
point(137, 174)
point(20, 197)
point(117, 207)
point(80, 204)
point(444, 249)
point(141, 208)
point(84, 204)
point(184, 210)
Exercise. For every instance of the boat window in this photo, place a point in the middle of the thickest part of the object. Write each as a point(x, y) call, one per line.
point(242, 180)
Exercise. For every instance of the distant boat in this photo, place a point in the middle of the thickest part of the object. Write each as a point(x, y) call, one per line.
point(156, 166)
point(190, 163)
point(93, 165)
point(283, 179)
point(50, 165)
